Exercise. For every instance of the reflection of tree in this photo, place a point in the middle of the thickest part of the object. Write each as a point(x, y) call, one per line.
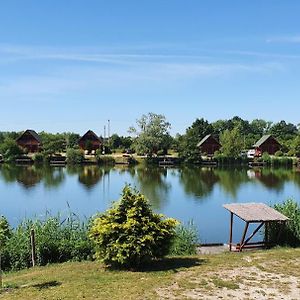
point(9, 172)
point(90, 175)
point(53, 176)
point(231, 179)
point(274, 178)
point(198, 182)
point(152, 183)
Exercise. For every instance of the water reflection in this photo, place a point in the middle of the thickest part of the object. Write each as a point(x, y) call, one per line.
point(231, 179)
point(198, 182)
point(89, 176)
point(152, 182)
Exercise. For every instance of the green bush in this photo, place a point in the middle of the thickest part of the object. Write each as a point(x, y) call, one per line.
point(105, 160)
point(10, 150)
point(130, 234)
point(74, 156)
point(278, 153)
point(185, 240)
point(290, 234)
point(57, 240)
point(39, 158)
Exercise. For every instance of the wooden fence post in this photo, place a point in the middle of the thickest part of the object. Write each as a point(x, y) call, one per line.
point(32, 240)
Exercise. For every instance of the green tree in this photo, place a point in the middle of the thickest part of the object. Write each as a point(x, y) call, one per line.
point(187, 148)
point(152, 132)
point(232, 142)
point(10, 150)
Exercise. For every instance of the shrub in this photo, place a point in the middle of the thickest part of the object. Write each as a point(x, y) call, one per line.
point(10, 150)
point(74, 156)
point(290, 234)
point(39, 158)
point(278, 153)
point(185, 240)
point(57, 240)
point(105, 160)
point(130, 234)
point(266, 158)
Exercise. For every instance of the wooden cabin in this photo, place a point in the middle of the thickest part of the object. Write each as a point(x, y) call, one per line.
point(29, 141)
point(209, 145)
point(90, 141)
point(267, 144)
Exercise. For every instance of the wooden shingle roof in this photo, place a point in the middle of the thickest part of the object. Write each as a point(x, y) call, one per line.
point(32, 133)
point(255, 212)
point(205, 139)
point(263, 139)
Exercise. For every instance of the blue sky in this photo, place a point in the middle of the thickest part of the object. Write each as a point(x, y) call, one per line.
point(72, 65)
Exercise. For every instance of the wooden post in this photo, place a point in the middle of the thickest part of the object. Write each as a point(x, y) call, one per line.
point(230, 231)
point(32, 240)
point(244, 235)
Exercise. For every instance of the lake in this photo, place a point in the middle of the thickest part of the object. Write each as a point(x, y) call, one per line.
point(183, 193)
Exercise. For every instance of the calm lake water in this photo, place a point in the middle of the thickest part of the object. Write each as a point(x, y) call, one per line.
point(185, 193)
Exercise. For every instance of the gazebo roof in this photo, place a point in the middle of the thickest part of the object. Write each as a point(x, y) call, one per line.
point(255, 212)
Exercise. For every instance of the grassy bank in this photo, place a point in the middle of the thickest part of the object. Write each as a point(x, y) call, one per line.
point(262, 274)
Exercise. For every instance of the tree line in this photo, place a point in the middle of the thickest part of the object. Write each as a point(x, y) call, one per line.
point(151, 136)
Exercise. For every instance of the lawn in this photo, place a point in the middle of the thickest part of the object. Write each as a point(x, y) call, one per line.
point(250, 275)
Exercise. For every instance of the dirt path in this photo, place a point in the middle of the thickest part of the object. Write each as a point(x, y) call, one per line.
point(250, 281)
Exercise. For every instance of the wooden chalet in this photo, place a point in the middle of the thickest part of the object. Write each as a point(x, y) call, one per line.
point(29, 141)
point(267, 144)
point(209, 145)
point(90, 141)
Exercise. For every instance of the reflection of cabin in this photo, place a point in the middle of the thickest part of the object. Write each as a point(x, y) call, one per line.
point(267, 144)
point(89, 141)
point(29, 141)
point(209, 145)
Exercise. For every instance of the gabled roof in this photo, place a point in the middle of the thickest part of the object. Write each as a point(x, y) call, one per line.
point(32, 133)
point(205, 139)
point(91, 133)
point(263, 139)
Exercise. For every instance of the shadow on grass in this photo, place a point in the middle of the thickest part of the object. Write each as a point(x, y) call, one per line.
point(46, 285)
point(172, 264)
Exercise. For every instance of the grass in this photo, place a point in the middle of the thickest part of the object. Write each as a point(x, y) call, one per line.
point(209, 276)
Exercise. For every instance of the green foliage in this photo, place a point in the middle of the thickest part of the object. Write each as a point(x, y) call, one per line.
point(185, 240)
point(232, 142)
point(290, 234)
point(278, 153)
point(130, 233)
point(5, 231)
point(105, 160)
point(187, 147)
point(152, 134)
point(10, 150)
point(39, 158)
point(57, 240)
point(74, 156)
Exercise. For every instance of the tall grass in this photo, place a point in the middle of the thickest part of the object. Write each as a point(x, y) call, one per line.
point(57, 240)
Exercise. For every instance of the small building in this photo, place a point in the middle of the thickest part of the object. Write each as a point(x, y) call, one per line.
point(90, 141)
point(29, 141)
point(267, 144)
point(209, 145)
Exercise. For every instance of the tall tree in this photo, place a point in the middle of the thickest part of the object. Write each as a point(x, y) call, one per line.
point(232, 142)
point(151, 134)
point(188, 149)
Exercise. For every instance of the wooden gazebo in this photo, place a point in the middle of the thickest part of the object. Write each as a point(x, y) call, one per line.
point(259, 213)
